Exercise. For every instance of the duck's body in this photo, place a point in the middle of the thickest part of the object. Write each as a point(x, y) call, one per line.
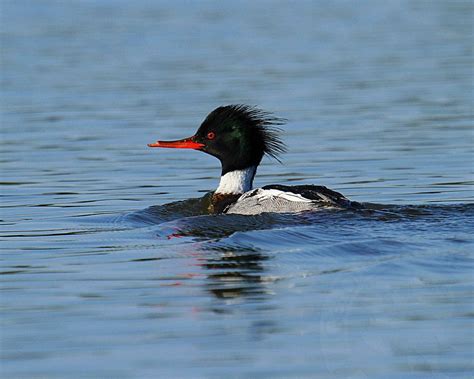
point(239, 136)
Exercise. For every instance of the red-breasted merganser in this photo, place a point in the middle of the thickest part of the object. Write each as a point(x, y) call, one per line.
point(239, 136)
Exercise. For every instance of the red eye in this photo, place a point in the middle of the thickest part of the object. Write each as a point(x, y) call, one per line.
point(211, 135)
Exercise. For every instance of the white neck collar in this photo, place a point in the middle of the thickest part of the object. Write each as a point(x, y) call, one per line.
point(237, 182)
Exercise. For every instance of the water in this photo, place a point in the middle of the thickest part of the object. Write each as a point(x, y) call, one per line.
point(101, 277)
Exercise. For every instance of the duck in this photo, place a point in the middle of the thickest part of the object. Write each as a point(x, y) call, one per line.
point(239, 136)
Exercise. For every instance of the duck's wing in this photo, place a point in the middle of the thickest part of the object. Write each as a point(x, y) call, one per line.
point(317, 194)
point(283, 199)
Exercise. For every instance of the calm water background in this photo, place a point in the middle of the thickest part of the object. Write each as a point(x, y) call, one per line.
point(379, 99)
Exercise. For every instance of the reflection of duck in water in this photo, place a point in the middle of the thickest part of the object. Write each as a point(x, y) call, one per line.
point(239, 136)
point(235, 274)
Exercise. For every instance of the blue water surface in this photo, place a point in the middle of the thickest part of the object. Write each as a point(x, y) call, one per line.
point(104, 275)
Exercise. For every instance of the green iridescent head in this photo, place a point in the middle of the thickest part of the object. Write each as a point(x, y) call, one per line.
point(239, 136)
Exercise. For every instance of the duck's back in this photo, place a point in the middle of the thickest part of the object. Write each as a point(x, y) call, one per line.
point(283, 199)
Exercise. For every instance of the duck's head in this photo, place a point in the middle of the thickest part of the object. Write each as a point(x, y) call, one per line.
point(238, 135)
